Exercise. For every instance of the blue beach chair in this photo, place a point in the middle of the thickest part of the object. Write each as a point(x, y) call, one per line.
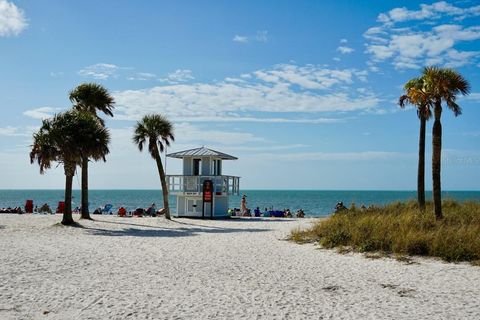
point(107, 209)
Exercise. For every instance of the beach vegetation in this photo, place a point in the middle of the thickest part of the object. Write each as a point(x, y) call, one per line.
point(401, 229)
point(63, 139)
point(155, 131)
point(91, 97)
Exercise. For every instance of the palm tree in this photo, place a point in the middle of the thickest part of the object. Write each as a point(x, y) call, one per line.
point(441, 85)
point(61, 139)
point(93, 141)
point(91, 97)
point(158, 131)
point(416, 95)
point(54, 142)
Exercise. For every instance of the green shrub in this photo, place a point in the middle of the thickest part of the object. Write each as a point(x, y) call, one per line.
point(402, 229)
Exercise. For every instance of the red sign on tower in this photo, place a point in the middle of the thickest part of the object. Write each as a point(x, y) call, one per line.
point(207, 191)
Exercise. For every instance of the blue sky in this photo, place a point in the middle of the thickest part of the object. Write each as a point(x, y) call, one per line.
point(303, 92)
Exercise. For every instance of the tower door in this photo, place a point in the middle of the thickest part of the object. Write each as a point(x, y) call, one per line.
point(194, 206)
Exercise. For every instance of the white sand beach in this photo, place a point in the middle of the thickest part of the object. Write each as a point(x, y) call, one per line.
point(150, 268)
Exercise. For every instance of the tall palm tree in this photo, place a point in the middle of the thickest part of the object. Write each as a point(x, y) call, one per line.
point(416, 95)
point(91, 97)
point(158, 131)
point(93, 144)
point(441, 85)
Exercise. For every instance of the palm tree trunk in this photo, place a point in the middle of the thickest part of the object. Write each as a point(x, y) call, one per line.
point(421, 164)
point(67, 214)
point(85, 213)
point(163, 181)
point(436, 160)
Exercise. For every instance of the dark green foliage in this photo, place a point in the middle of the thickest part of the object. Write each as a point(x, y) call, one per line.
point(64, 139)
point(403, 229)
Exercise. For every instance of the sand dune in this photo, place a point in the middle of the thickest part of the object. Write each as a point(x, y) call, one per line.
point(150, 268)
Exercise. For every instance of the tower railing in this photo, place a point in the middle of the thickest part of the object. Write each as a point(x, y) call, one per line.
point(182, 184)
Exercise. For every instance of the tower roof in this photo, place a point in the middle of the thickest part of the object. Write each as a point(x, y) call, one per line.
point(201, 152)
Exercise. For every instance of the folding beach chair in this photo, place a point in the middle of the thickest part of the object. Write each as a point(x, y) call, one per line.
point(107, 209)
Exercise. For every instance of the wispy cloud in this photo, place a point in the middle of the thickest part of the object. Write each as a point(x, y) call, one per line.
point(260, 36)
point(142, 76)
point(220, 118)
point(411, 47)
point(41, 113)
point(345, 49)
point(336, 156)
point(12, 19)
point(101, 71)
point(255, 97)
point(56, 74)
point(240, 39)
point(179, 75)
point(188, 133)
point(474, 96)
point(10, 131)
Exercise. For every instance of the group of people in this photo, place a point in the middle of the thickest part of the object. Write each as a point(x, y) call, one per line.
point(151, 211)
point(107, 209)
point(45, 208)
point(339, 207)
point(11, 210)
point(245, 212)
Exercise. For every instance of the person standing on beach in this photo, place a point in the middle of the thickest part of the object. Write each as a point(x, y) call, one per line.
point(243, 205)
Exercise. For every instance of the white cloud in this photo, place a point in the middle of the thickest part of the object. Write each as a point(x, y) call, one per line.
point(343, 40)
point(101, 71)
point(187, 133)
point(41, 113)
point(423, 44)
point(12, 19)
point(222, 118)
point(240, 39)
point(434, 11)
point(474, 96)
point(10, 131)
point(260, 36)
point(345, 50)
point(309, 76)
point(282, 89)
point(142, 76)
point(57, 74)
point(179, 75)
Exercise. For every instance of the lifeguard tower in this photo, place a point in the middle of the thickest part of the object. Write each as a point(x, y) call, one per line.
point(200, 165)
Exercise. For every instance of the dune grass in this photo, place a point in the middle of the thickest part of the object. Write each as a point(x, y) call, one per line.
point(400, 228)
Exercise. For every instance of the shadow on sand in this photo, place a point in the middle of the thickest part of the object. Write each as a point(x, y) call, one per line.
point(158, 231)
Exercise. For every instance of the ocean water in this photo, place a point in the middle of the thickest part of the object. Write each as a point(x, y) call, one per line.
point(313, 202)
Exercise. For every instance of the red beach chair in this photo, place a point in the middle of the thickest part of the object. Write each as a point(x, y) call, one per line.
point(29, 206)
point(61, 207)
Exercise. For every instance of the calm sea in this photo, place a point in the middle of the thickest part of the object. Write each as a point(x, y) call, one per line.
point(314, 202)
